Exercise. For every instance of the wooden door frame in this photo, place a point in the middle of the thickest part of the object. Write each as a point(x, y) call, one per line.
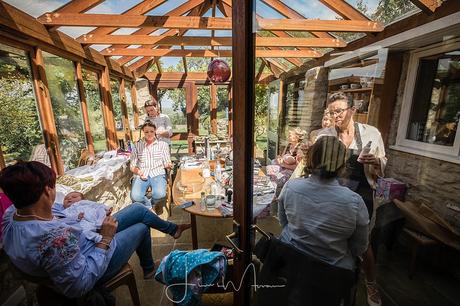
point(243, 70)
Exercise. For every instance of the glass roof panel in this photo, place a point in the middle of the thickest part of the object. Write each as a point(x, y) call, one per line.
point(385, 11)
point(76, 31)
point(36, 8)
point(113, 7)
point(100, 47)
point(223, 33)
point(198, 33)
point(166, 7)
point(312, 9)
point(266, 12)
point(124, 31)
point(133, 60)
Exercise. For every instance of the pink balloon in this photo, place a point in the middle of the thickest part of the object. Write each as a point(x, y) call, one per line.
point(218, 71)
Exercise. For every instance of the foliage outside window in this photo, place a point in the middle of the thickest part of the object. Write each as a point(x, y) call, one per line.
point(117, 113)
point(20, 128)
point(94, 102)
point(204, 114)
point(65, 100)
point(173, 104)
point(429, 118)
point(222, 111)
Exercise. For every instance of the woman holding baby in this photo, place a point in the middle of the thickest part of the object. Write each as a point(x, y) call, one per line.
point(41, 245)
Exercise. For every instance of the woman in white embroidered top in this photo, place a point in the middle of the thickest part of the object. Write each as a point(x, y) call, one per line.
point(149, 160)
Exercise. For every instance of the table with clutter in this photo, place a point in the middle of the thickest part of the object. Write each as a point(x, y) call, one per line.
point(209, 184)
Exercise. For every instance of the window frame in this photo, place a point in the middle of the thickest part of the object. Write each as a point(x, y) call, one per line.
point(447, 153)
point(28, 50)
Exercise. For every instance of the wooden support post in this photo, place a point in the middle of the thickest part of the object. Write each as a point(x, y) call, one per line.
point(84, 107)
point(213, 108)
point(389, 92)
point(243, 144)
point(124, 110)
point(135, 108)
point(192, 114)
point(107, 108)
point(2, 159)
point(45, 109)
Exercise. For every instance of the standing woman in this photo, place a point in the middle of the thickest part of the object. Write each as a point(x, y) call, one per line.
point(149, 160)
point(361, 170)
point(161, 121)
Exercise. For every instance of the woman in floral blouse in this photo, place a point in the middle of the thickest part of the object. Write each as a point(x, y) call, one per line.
point(41, 245)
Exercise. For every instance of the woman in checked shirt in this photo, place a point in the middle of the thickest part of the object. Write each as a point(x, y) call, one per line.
point(149, 159)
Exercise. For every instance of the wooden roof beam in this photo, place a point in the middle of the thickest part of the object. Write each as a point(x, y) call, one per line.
point(319, 25)
point(345, 10)
point(427, 6)
point(207, 53)
point(192, 6)
point(288, 12)
point(76, 6)
point(180, 76)
point(167, 40)
point(208, 23)
point(139, 9)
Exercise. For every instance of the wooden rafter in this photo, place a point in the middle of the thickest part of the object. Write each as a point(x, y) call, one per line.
point(206, 53)
point(76, 6)
point(288, 12)
point(319, 25)
point(427, 6)
point(167, 40)
point(139, 9)
point(198, 10)
point(192, 6)
point(344, 9)
point(207, 23)
point(199, 77)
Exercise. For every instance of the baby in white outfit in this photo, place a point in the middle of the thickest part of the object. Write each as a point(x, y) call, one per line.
point(88, 214)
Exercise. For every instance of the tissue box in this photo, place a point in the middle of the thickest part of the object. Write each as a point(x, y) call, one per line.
point(389, 189)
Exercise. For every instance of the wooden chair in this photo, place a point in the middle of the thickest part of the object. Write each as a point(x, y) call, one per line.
point(418, 241)
point(47, 295)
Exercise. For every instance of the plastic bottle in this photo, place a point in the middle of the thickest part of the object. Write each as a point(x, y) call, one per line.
point(203, 201)
point(206, 169)
point(218, 173)
point(365, 150)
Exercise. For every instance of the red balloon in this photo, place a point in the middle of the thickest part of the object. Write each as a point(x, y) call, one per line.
point(218, 71)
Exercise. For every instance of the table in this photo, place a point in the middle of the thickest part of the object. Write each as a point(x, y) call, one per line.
point(194, 210)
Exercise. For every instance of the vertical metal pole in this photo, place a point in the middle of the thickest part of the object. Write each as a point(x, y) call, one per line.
point(243, 40)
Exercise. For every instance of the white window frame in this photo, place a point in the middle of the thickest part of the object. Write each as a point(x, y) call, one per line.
point(451, 154)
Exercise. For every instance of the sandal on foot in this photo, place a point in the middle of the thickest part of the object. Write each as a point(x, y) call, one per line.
point(373, 295)
point(180, 229)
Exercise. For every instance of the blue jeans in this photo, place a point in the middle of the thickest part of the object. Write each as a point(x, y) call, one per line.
point(133, 234)
point(158, 184)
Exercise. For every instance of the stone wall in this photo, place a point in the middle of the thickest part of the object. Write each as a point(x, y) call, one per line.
point(431, 180)
point(114, 192)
